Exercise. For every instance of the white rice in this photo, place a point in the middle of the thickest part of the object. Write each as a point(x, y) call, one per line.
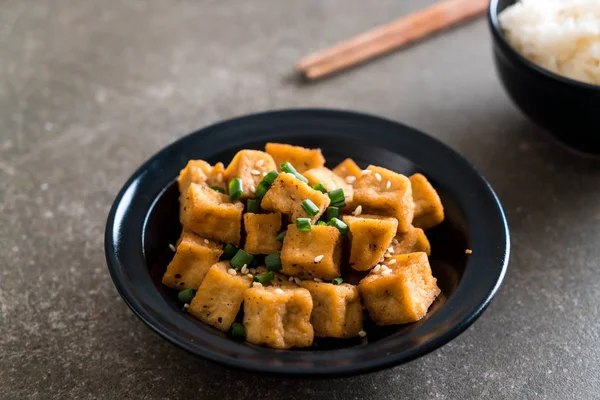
point(562, 36)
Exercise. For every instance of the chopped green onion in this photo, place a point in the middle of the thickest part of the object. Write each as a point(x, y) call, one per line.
point(339, 224)
point(281, 236)
point(336, 196)
point(310, 207)
point(265, 184)
point(253, 206)
point(273, 262)
point(218, 189)
point(341, 204)
point(240, 259)
point(332, 212)
point(289, 168)
point(320, 187)
point(303, 224)
point(265, 278)
point(238, 330)
point(270, 177)
point(236, 189)
point(321, 223)
point(228, 251)
point(337, 281)
point(186, 296)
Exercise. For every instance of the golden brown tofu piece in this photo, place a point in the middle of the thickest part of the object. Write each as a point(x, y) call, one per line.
point(429, 210)
point(412, 241)
point(348, 168)
point(261, 233)
point(313, 254)
point(199, 171)
point(370, 237)
point(250, 166)
point(278, 316)
point(193, 257)
point(330, 180)
point(287, 194)
point(337, 310)
point(300, 157)
point(209, 214)
point(385, 192)
point(401, 293)
point(219, 297)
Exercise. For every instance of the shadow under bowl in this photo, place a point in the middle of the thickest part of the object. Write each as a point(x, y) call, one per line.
point(568, 110)
point(144, 220)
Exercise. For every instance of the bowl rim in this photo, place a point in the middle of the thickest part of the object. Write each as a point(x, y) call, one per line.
point(495, 27)
point(113, 241)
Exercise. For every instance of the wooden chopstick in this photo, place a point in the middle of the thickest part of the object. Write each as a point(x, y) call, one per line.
point(390, 36)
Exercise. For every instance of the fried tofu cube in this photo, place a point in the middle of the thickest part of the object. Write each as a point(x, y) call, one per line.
point(219, 297)
point(250, 166)
point(337, 310)
point(402, 292)
point(301, 158)
point(313, 254)
point(199, 171)
point(412, 241)
point(348, 168)
point(370, 237)
point(330, 180)
point(261, 233)
point(287, 194)
point(193, 258)
point(209, 214)
point(385, 192)
point(429, 210)
point(278, 317)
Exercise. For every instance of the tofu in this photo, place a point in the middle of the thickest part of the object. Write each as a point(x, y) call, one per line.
point(348, 168)
point(370, 237)
point(313, 254)
point(376, 196)
point(199, 171)
point(404, 294)
point(287, 194)
point(209, 214)
point(278, 317)
point(301, 158)
point(193, 258)
point(330, 180)
point(337, 310)
point(219, 297)
point(261, 233)
point(429, 211)
point(412, 241)
point(250, 166)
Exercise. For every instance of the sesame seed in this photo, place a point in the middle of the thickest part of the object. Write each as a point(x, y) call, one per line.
point(381, 259)
point(392, 261)
point(297, 280)
point(395, 241)
point(186, 306)
point(317, 279)
point(244, 269)
point(350, 179)
point(377, 268)
point(252, 270)
point(390, 249)
point(319, 258)
point(173, 249)
point(255, 172)
point(388, 184)
point(365, 171)
point(357, 211)
point(257, 284)
point(206, 241)
point(291, 279)
point(220, 177)
point(362, 333)
point(386, 272)
point(333, 185)
point(385, 268)
point(468, 251)
point(260, 163)
point(232, 271)
point(253, 188)
point(377, 176)
point(279, 291)
point(387, 255)
point(250, 276)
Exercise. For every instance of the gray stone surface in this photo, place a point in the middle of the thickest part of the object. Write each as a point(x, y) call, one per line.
point(90, 89)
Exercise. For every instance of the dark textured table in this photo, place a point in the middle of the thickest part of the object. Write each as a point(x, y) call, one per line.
point(90, 89)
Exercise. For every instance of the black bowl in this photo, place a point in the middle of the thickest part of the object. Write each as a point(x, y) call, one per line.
point(143, 221)
point(567, 109)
